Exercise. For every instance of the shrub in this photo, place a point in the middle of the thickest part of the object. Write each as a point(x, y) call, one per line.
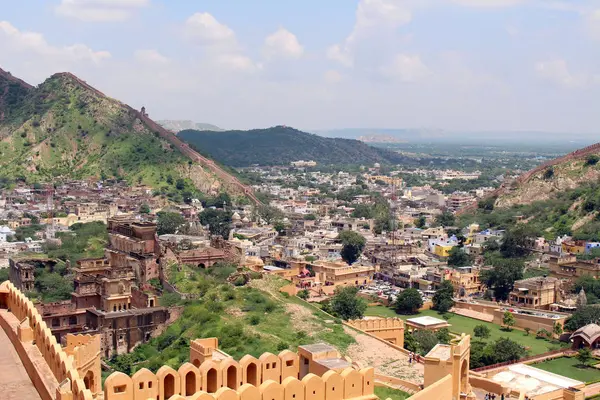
point(254, 320)
point(592, 160)
point(239, 281)
point(303, 294)
point(282, 346)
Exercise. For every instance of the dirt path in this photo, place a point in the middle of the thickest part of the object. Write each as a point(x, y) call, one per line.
point(385, 359)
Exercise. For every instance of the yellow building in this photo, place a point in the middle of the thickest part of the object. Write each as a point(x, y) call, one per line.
point(332, 274)
point(443, 250)
point(466, 281)
point(573, 247)
point(537, 292)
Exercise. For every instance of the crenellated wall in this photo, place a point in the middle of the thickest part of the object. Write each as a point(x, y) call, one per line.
point(389, 329)
point(211, 380)
point(33, 331)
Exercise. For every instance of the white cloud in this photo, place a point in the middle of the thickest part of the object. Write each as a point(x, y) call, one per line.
point(100, 10)
point(237, 62)
point(151, 56)
point(343, 56)
point(14, 40)
point(332, 76)
point(207, 31)
point(558, 71)
point(406, 68)
point(592, 21)
point(371, 15)
point(489, 3)
point(283, 43)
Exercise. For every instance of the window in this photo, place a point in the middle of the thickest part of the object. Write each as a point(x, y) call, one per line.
point(120, 389)
point(141, 385)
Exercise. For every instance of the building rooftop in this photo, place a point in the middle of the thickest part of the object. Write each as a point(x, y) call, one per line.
point(317, 348)
point(334, 363)
point(427, 321)
point(533, 381)
point(440, 351)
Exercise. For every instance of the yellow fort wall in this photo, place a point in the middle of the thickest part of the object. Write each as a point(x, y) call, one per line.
point(388, 329)
point(33, 330)
point(270, 377)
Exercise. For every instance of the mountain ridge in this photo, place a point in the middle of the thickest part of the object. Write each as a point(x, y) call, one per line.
point(280, 145)
point(66, 127)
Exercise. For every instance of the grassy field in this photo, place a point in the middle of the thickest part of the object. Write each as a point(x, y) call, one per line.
point(569, 367)
point(387, 393)
point(464, 324)
point(252, 319)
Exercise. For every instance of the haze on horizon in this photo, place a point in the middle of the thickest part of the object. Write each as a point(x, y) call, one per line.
point(455, 65)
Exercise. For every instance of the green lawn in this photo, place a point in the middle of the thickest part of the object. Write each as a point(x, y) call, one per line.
point(569, 367)
point(464, 324)
point(384, 393)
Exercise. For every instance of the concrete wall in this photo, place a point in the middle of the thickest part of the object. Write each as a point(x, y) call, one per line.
point(440, 390)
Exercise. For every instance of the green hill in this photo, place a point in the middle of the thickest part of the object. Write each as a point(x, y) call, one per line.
point(557, 198)
point(65, 129)
point(280, 145)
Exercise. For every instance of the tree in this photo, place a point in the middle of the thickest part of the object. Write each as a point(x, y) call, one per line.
point(557, 329)
point(346, 304)
point(501, 278)
point(353, 244)
point(145, 209)
point(584, 356)
point(426, 340)
point(582, 317)
point(408, 302)
point(458, 258)
point(168, 222)
point(443, 335)
point(481, 331)
point(443, 298)
point(303, 294)
point(218, 221)
point(421, 222)
point(445, 219)
point(518, 241)
point(269, 214)
point(508, 350)
point(508, 319)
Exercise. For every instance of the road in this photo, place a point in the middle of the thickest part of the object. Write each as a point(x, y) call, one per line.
point(14, 381)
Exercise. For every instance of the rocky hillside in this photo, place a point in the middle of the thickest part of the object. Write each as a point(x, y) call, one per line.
point(280, 145)
point(559, 197)
point(65, 128)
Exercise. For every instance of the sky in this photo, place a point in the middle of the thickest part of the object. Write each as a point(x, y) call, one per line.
point(457, 65)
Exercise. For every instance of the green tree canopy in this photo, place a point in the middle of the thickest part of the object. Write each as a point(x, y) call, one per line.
point(145, 208)
point(346, 304)
point(508, 319)
point(168, 222)
point(269, 214)
point(353, 244)
point(501, 278)
point(445, 219)
point(443, 297)
point(218, 221)
point(518, 241)
point(408, 302)
point(481, 331)
point(458, 258)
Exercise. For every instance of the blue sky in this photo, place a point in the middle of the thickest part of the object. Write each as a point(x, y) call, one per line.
point(478, 65)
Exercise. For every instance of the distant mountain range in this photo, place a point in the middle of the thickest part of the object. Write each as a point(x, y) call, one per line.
point(280, 145)
point(181, 125)
point(462, 137)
